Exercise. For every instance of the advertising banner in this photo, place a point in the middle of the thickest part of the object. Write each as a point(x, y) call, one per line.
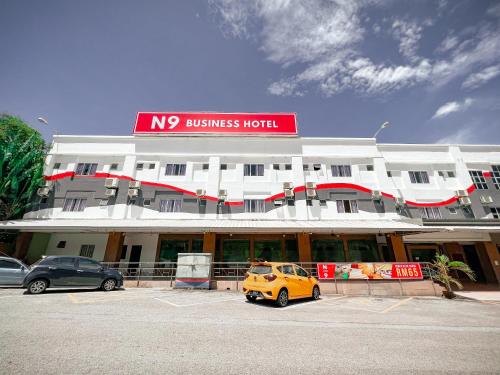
point(326, 271)
point(372, 271)
point(164, 123)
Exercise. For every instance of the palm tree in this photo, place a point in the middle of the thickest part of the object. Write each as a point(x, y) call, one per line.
point(442, 266)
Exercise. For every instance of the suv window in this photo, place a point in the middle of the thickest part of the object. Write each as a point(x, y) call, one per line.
point(260, 270)
point(89, 264)
point(287, 269)
point(9, 264)
point(301, 272)
point(65, 261)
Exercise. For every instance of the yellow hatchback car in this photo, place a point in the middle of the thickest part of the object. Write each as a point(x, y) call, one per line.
point(279, 282)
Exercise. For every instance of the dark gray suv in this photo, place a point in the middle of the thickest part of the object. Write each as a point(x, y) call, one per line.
point(70, 272)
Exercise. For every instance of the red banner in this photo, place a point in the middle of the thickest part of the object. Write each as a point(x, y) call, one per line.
point(326, 271)
point(406, 271)
point(215, 123)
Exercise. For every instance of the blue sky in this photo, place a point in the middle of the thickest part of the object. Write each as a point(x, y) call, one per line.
point(430, 68)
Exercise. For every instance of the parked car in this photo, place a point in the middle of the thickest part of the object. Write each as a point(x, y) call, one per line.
point(280, 282)
point(70, 272)
point(12, 271)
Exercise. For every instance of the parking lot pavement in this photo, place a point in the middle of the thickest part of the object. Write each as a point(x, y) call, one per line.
point(164, 331)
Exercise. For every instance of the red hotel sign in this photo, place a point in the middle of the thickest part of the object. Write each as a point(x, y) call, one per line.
point(215, 123)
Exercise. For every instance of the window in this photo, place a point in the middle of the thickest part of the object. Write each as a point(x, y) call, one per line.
point(451, 174)
point(369, 168)
point(452, 210)
point(175, 170)
point(441, 174)
point(495, 174)
point(9, 264)
point(286, 269)
point(57, 165)
point(478, 180)
point(152, 165)
point(262, 270)
point(419, 177)
point(170, 205)
point(389, 174)
point(363, 251)
point(139, 166)
point(254, 205)
point(61, 244)
point(301, 272)
point(276, 167)
point(317, 167)
point(123, 254)
point(341, 170)
point(288, 167)
point(430, 213)
point(74, 204)
point(496, 212)
point(223, 167)
point(86, 169)
point(305, 167)
point(327, 251)
point(253, 170)
point(346, 206)
point(205, 166)
point(87, 251)
point(63, 261)
point(146, 202)
point(88, 264)
point(113, 167)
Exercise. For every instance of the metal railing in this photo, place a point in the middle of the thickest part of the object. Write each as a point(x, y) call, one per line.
point(227, 271)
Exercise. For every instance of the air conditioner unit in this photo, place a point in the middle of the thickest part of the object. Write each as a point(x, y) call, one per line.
point(287, 185)
point(133, 192)
point(465, 201)
point(134, 184)
point(48, 184)
point(310, 193)
point(278, 202)
point(43, 191)
point(400, 201)
point(200, 192)
point(486, 199)
point(310, 185)
point(110, 192)
point(111, 183)
point(376, 195)
point(461, 193)
point(289, 193)
point(222, 194)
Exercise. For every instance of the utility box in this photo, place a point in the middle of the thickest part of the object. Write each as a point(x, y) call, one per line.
point(193, 270)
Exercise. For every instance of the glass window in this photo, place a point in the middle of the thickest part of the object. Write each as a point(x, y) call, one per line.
point(317, 167)
point(495, 175)
point(57, 165)
point(9, 264)
point(170, 248)
point(276, 167)
point(113, 167)
point(363, 251)
point(347, 206)
point(369, 167)
point(286, 269)
point(267, 250)
point(175, 170)
point(495, 211)
point(451, 174)
point(260, 270)
point(327, 251)
point(341, 171)
point(478, 180)
point(170, 205)
point(430, 213)
point(74, 204)
point(87, 251)
point(197, 246)
point(389, 174)
point(223, 167)
point(255, 205)
point(253, 170)
point(89, 264)
point(291, 251)
point(205, 166)
point(65, 261)
point(86, 169)
point(418, 177)
point(235, 250)
point(288, 167)
point(301, 272)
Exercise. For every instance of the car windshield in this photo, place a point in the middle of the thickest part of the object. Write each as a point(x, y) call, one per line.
point(260, 270)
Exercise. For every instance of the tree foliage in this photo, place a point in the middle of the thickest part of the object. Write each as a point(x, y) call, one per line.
point(22, 155)
point(442, 265)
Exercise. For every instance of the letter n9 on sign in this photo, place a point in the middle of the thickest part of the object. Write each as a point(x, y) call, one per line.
point(326, 271)
point(406, 271)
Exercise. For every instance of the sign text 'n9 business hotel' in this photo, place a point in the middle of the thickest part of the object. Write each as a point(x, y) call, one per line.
point(215, 123)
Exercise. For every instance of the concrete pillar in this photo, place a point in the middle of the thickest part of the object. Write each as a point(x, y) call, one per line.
point(209, 243)
point(398, 247)
point(492, 255)
point(114, 247)
point(23, 241)
point(304, 242)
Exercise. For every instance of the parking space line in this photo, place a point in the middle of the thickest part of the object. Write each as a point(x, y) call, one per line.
point(194, 304)
point(396, 305)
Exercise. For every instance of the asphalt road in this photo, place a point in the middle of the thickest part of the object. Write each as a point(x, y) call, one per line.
point(156, 331)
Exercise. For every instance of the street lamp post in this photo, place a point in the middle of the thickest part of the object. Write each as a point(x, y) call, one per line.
point(383, 126)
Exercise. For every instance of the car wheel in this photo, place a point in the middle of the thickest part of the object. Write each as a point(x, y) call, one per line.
point(315, 294)
point(251, 298)
point(282, 300)
point(37, 286)
point(108, 285)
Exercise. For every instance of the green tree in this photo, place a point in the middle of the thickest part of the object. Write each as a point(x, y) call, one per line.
point(442, 266)
point(22, 155)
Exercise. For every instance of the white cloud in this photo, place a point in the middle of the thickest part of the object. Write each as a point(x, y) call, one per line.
point(480, 78)
point(322, 41)
point(462, 136)
point(452, 107)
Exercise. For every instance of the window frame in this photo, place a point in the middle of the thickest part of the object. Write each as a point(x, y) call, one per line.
point(253, 170)
point(175, 169)
point(351, 204)
point(478, 179)
point(172, 205)
point(419, 177)
point(254, 205)
point(86, 169)
point(74, 204)
point(341, 170)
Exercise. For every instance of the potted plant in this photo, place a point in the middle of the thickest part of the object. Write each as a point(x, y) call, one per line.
point(442, 266)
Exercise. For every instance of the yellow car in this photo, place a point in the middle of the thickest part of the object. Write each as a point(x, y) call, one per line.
point(279, 282)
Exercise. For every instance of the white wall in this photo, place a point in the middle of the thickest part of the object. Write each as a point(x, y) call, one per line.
point(74, 241)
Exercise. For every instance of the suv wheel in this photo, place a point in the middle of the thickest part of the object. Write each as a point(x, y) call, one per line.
point(282, 300)
point(108, 285)
point(315, 294)
point(37, 286)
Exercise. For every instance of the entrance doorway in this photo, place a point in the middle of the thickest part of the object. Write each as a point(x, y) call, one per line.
point(474, 262)
point(135, 258)
point(422, 253)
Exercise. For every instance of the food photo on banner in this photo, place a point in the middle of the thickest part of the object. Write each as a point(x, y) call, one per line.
point(369, 271)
